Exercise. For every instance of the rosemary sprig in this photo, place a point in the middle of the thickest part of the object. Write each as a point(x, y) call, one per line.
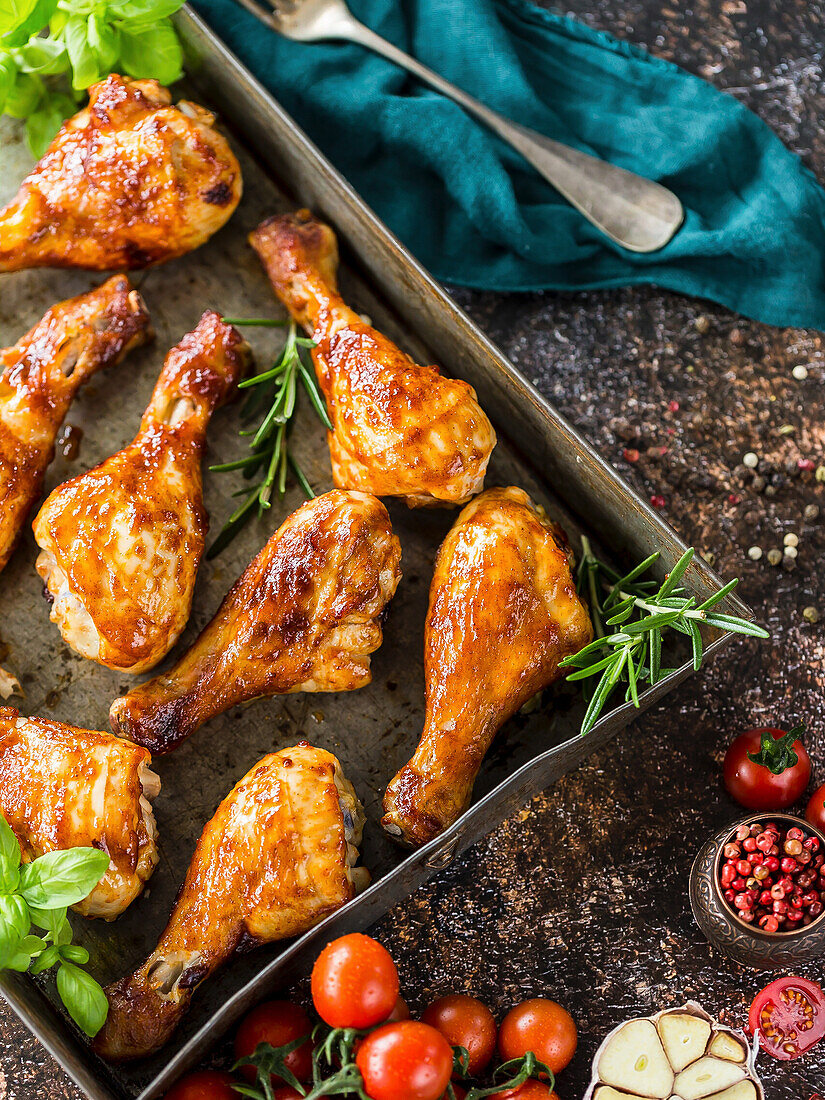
point(275, 393)
point(629, 615)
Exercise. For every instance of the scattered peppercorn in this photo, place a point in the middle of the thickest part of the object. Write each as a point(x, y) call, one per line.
point(750, 460)
point(810, 615)
point(774, 557)
point(811, 512)
point(800, 372)
point(755, 553)
point(791, 539)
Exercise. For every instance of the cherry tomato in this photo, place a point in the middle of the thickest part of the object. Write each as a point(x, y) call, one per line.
point(204, 1084)
point(276, 1023)
point(405, 1061)
point(400, 1012)
point(789, 1015)
point(354, 982)
point(776, 778)
point(465, 1022)
point(815, 813)
point(285, 1092)
point(530, 1090)
point(541, 1026)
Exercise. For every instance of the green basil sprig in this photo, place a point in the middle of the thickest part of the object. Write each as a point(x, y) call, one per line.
point(36, 895)
point(51, 51)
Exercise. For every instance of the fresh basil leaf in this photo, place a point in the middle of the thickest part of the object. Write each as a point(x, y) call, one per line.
point(45, 56)
point(82, 58)
point(23, 96)
point(14, 12)
point(143, 11)
point(73, 952)
point(14, 925)
point(46, 959)
point(28, 948)
point(43, 123)
point(62, 878)
point(103, 38)
point(50, 919)
point(152, 52)
point(85, 1001)
point(33, 24)
point(9, 846)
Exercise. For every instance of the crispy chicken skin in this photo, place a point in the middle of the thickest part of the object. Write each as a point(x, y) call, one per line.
point(302, 617)
point(399, 429)
point(503, 613)
point(62, 787)
point(129, 181)
point(39, 378)
point(121, 544)
point(278, 856)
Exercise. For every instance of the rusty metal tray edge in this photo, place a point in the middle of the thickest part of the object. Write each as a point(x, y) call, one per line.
point(552, 445)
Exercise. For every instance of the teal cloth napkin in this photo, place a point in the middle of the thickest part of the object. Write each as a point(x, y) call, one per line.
point(476, 214)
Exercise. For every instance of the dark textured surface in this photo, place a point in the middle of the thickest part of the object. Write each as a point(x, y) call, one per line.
point(582, 896)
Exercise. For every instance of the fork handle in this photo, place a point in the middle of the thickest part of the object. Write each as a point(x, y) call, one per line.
point(635, 212)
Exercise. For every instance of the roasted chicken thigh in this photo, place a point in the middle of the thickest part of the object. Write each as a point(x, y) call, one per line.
point(121, 544)
point(399, 429)
point(302, 617)
point(39, 378)
point(129, 181)
point(278, 856)
point(503, 613)
point(62, 787)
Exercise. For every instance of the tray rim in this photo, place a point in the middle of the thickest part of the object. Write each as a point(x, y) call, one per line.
point(28, 1001)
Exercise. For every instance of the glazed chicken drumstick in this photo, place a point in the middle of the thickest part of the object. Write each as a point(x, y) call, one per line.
point(399, 429)
point(39, 378)
point(121, 544)
point(503, 613)
point(129, 181)
point(302, 617)
point(62, 787)
point(278, 856)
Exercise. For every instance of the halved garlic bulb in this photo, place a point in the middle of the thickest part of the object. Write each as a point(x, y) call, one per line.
point(678, 1054)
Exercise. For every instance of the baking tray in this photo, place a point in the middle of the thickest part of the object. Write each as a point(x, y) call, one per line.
point(373, 731)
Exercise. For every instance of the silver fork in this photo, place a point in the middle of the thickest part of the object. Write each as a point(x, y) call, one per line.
point(635, 212)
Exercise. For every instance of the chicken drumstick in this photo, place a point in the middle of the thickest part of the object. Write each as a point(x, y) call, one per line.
point(302, 617)
point(278, 856)
point(399, 429)
point(121, 544)
point(503, 613)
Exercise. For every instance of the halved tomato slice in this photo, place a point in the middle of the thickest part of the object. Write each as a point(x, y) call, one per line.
point(789, 1016)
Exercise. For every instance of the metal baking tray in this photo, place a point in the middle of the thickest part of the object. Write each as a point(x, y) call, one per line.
point(374, 730)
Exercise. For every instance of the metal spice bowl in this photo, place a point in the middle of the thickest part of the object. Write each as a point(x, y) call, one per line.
point(745, 943)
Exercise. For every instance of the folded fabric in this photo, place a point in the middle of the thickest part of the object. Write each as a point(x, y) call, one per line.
point(476, 214)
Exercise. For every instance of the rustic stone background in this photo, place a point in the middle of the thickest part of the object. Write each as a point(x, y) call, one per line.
point(582, 895)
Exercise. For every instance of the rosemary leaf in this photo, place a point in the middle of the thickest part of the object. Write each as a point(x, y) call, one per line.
point(630, 615)
point(273, 394)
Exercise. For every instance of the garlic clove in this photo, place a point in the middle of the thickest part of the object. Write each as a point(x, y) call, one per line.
point(607, 1092)
point(727, 1046)
point(742, 1090)
point(707, 1076)
point(634, 1060)
point(684, 1037)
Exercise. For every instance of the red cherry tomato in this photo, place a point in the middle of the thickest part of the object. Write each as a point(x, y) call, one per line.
point(779, 775)
point(789, 1015)
point(285, 1092)
point(276, 1023)
point(204, 1084)
point(530, 1090)
point(815, 812)
point(354, 982)
point(400, 1012)
point(405, 1061)
point(465, 1022)
point(541, 1026)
